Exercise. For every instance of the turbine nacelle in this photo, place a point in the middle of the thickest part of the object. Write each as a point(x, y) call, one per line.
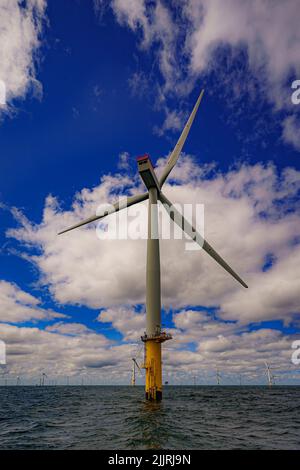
point(151, 181)
point(147, 172)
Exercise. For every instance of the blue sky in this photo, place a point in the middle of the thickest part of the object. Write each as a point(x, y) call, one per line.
point(107, 79)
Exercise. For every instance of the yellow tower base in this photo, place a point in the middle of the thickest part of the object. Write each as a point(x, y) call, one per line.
point(153, 365)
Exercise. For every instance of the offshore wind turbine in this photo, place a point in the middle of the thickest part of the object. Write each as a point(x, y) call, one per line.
point(154, 336)
point(134, 365)
point(270, 375)
point(42, 380)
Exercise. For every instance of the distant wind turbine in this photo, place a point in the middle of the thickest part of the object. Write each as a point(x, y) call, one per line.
point(134, 365)
point(270, 376)
point(154, 336)
point(43, 379)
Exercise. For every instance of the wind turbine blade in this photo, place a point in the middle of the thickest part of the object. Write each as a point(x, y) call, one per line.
point(136, 364)
point(189, 229)
point(178, 147)
point(130, 201)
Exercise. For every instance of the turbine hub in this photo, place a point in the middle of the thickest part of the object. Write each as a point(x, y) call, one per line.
point(147, 172)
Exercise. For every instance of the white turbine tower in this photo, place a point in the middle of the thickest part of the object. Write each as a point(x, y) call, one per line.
point(133, 374)
point(43, 376)
point(154, 336)
point(270, 375)
point(218, 376)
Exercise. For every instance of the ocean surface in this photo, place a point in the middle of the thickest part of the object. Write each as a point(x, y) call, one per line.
point(111, 417)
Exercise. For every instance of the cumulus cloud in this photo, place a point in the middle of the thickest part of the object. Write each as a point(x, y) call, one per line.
point(188, 36)
point(266, 28)
point(72, 350)
point(64, 351)
point(21, 26)
point(174, 120)
point(18, 306)
point(227, 347)
point(248, 351)
point(72, 329)
point(153, 22)
point(262, 223)
point(291, 131)
point(193, 326)
point(126, 320)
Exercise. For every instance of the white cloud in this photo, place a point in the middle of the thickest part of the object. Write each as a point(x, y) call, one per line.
point(100, 7)
point(72, 329)
point(19, 306)
point(153, 22)
point(291, 131)
point(196, 326)
point(225, 347)
point(174, 120)
point(268, 29)
point(276, 293)
point(187, 36)
point(138, 84)
point(248, 351)
point(73, 350)
point(20, 31)
point(123, 163)
point(78, 268)
point(63, 351)
point(124, 319)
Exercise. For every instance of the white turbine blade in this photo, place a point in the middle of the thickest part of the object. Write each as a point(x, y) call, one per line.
point(189, 229)
point(136, 364)
point(127, 202)
point(178, 147)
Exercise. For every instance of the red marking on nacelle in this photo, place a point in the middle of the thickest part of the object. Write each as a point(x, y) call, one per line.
point(143, 157)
